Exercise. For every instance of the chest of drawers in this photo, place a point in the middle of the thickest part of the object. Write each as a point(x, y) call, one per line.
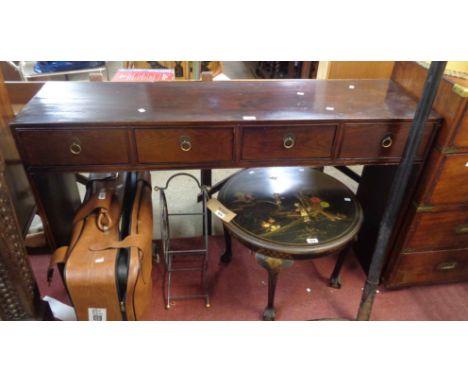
point(432, 243)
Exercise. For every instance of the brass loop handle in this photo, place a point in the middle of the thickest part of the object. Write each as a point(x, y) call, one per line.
point(387, 141)
point(461, 229)
point(75, 148)
point(288, 141)
point(185, 143)
point(447, 266)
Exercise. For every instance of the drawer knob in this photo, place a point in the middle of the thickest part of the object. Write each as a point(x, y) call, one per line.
point(446, 266)
point(288, 141)
point(75, 148)
point(185, 143)
point(387, 141)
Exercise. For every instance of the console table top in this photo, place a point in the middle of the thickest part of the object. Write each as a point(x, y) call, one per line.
point(173, 102)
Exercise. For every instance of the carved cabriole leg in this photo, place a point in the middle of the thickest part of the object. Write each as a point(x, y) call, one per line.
point(19, 295)
point(273, 267)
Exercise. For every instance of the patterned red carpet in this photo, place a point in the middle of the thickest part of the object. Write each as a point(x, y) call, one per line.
point(239, 292)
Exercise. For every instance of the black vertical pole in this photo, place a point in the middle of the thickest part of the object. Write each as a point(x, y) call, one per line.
point(399, 186)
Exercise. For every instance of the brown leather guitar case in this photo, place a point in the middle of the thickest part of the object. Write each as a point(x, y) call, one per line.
point(107, 266)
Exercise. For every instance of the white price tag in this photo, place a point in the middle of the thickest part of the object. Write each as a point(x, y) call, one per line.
point(220, 211)
point(312, 240)
point(102, 195)
point(97, 314)
point(220, 214)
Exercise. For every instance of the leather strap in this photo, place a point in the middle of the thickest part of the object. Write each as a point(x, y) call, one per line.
point(58, 257)
point(135, 240)
point(145, 182)
point(100, 201)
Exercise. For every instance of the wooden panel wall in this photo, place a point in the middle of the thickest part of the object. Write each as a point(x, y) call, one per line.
point(355, 69)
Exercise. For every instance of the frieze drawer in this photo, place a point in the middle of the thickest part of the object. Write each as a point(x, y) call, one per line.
point(378, 140)
point(73, 147)
point(175, 145)
point(284, 142)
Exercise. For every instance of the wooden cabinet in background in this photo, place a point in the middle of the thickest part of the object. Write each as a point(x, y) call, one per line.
point(345, 70)
point(431, 243)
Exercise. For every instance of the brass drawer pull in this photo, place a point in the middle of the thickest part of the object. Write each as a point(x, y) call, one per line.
point(461, 229)
point(387, 141)
point(185, 143)
point(288, 141)
point(447, 266)
point(75, 148)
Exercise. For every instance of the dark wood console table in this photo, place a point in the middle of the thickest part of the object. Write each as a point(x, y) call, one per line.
point(71, 127)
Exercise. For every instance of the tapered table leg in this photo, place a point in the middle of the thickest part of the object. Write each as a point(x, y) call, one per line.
point(273, 267)
point(57, 200)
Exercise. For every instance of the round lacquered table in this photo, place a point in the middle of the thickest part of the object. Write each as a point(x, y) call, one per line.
point(290, 213)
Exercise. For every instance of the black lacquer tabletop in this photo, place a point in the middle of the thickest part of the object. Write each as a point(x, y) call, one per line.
point(291, 209)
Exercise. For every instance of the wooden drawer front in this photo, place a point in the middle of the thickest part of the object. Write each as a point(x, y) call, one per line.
point(183, 145)
point(430, 267)
point(378, 140)
point(461, 139)
point(438, 230)
point(74, 147)
point(452, 185)
point(295, 142)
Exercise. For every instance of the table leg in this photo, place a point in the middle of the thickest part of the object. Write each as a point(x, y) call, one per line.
point(335, 277)
point(227, 256)
point(57, 199)
point(273, 267)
